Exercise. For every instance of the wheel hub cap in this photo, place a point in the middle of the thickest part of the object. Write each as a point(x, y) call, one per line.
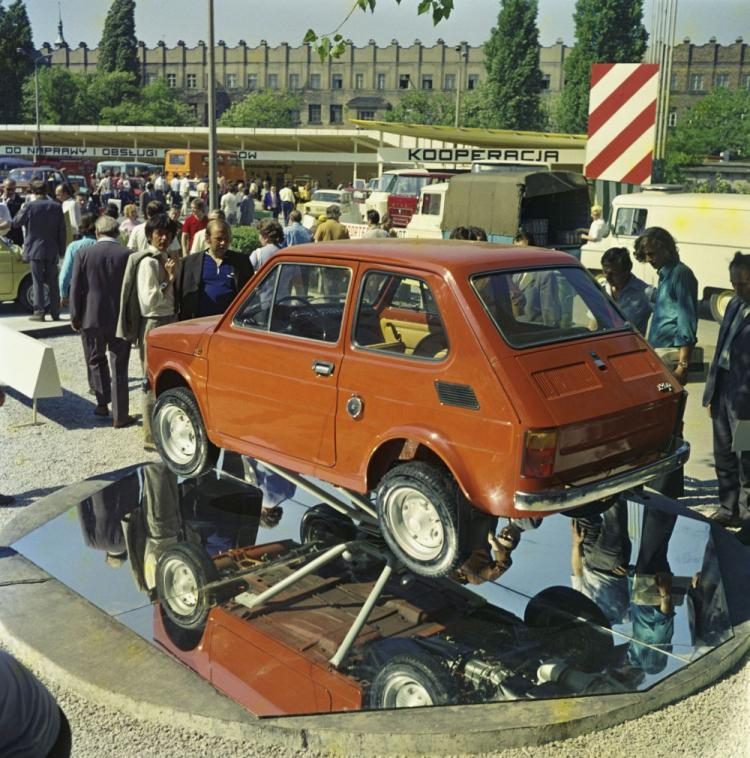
point(414, 523)
point(177, 434)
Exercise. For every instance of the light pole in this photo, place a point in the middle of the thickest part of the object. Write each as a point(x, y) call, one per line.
point(212, 188)
point(36, 60)
point(463, 55)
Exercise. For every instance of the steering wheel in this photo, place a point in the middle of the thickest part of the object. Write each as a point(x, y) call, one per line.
point(292, 298)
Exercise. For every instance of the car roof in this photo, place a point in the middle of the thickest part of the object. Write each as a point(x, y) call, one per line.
point(682, 200)
point(458, 257)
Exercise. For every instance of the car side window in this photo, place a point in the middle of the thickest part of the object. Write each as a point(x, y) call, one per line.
point(398, 314)
point(630, 222)
point(299, 299)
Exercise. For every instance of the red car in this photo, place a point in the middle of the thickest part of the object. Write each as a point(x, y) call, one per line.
point(438, 374)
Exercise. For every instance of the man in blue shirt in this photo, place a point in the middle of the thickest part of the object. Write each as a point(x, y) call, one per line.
point(674, 323)
point(295, 233)
point(629, 292)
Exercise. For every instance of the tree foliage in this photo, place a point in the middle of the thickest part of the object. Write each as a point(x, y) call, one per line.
point(15, 33)
point(333, 44)
point(266, 110)
point(607, 31)
point(115, 98)
point(514, 80)
point(118, 49)
point(717, 122)
point(420, 107)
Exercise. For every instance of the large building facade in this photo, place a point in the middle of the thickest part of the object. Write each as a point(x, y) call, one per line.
point(367, 81)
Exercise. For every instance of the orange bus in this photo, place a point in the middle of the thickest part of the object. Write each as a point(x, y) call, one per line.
point(192, 163)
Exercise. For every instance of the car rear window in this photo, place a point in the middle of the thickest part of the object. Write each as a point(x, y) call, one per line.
point(543, 305)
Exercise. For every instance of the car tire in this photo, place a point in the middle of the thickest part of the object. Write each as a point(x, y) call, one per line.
point(576, 623)
point(418, 506)
point(326, 526)
point(411, 680)
point(26, 295)
point(718, 304)
point(180, 434)
point(183, 573)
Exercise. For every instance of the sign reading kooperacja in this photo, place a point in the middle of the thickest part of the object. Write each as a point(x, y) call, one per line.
point(472, 154)
point(55, 151)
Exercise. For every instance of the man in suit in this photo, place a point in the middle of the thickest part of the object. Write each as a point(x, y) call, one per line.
point(98, 272)
point(45, 240)
point(727, 396)
point(210, 280)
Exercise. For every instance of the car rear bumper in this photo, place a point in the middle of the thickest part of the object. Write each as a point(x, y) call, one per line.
point(572, 497)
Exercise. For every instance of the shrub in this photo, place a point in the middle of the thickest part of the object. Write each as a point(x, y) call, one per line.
point(245, 239)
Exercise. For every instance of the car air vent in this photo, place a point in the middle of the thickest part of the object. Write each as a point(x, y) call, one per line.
point(461, 395)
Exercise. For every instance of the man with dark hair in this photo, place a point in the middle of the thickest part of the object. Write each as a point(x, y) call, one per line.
point(629, 292)
point(44, 244)
point(210, 280)
point(14, 202)
point(674, 323)
point(374, 230)
point(295, 233)
point(727, 396)
point(147, 196)
point(98, 273)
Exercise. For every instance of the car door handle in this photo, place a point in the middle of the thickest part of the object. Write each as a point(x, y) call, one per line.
point(322, 368)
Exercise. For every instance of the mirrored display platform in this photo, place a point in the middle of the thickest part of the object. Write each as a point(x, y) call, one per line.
point(290, 607)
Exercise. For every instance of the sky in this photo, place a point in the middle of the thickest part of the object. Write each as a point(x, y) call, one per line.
point(288, 20)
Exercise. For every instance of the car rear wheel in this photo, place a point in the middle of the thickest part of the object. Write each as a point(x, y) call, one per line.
point(183, 574)
point(718, 304)
point(417, 506)
point(180, 434)
point(410, 681)
point(26, 295)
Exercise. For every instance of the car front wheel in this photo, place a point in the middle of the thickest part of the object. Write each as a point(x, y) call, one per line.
point(26, 295)
point(180, 434)
point(418, 511)
point(410, 681)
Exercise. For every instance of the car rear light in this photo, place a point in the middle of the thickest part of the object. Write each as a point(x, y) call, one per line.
point(539, 454)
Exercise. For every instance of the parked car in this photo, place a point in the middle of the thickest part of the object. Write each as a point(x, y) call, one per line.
point(24, 176)
point(15, 276)
point(322, 199)
point(440, 375)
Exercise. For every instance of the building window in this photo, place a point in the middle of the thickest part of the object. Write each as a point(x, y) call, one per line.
point(252, 82)
point(314, 81)
point(273, 81)
point(672, 117)
point(545, 81)
point(403, 81)
point(450, 81)
point(359, 81)
point(473, 81)
point(746, 81)
point(171, 80)
point(313, 114)
point(696, 82)
point(366, 115)
point(231, 81)
point(380, 81)
point(427, 82)
point(151, 78)
point(336, 114)
point(337, 81)
point(293, 81)
point(191, 81)
point(721, 80)
point(673, 82)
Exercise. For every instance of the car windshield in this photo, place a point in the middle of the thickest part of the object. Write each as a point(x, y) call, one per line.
point(327, 197)
point(27, 174)
point(543, 305)
point(386, 183)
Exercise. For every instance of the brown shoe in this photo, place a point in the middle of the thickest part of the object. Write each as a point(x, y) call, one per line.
point(101, 410)
point(37, 317)
point(127, 421)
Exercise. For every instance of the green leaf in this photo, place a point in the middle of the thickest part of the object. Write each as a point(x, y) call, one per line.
point(310, 36)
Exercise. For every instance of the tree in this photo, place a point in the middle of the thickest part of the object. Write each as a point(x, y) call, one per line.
point(419, 107)
point(607, 31)
point(61, 98)
point(514, 80)
point(15, 33)
point(155, 105)
point(719, 121)
point(118, 49)
point(267, 109)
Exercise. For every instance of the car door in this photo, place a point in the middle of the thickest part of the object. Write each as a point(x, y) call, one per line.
point(273, 366)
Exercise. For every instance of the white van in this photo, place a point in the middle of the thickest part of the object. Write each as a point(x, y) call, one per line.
point(131, 168)
point(708, 229)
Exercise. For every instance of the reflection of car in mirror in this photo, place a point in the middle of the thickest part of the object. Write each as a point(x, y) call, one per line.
point(498, 378)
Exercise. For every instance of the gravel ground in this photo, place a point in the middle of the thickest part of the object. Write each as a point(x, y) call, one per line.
point(71, 444)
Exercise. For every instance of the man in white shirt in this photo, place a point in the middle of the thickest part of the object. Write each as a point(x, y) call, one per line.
point(599, 227)
point(286, 195)
point(185, 194)
point(70, 208)
point(229, 205)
